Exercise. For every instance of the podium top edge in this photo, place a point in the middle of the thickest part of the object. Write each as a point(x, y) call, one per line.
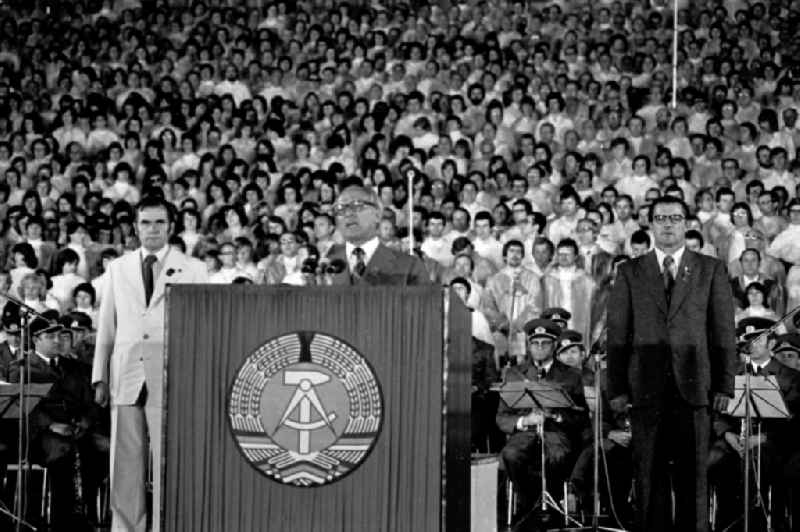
point(344, 289)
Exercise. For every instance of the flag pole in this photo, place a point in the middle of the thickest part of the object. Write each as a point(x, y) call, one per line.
point(674, 54)
point(410, 175)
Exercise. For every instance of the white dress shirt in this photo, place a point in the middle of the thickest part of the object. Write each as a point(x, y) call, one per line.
point(676, 255)
point(161, 256)
point(439, 250)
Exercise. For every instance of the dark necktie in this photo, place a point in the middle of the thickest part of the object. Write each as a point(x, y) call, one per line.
point(542, 373)
point(147, 275)
point(360, 266)
point(669, 279)
point(54, 363)
point(755, 370)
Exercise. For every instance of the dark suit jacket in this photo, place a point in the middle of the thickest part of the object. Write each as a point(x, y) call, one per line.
point(6, 361)
point(693, 339)
point(386, 267)
point(573, 421)
point(484, 373)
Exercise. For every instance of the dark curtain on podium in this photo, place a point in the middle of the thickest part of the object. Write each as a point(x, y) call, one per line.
point(211, 488)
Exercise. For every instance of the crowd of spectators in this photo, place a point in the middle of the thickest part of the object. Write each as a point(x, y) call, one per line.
point(535, 135)
point(547, 124)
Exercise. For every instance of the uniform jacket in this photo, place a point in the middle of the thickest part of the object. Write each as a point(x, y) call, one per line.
point(70, 399)
point(573, 421)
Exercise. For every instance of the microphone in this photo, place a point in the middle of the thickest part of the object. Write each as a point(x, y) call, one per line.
point(336, 266)
point(329, 269)
point(309, 271)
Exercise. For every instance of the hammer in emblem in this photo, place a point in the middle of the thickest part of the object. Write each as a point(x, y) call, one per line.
point(304, 398)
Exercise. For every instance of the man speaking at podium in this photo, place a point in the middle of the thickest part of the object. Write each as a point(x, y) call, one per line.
point(363, 259)
point(129, 360)
point(671, 355)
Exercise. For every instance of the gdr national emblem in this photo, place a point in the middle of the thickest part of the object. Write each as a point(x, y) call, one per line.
point(305, 409)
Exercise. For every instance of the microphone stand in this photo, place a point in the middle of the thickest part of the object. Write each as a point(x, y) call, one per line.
point(597, 442)
point(26, 314)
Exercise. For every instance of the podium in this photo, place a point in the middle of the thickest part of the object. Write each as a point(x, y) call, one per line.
point(316, 409)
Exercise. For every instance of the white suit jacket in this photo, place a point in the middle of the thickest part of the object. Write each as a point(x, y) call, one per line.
point(130, 335)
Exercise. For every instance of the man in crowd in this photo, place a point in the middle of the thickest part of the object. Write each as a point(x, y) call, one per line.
point(513, 296)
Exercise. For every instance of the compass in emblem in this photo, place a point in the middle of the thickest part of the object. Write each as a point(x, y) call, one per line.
point(305, 409)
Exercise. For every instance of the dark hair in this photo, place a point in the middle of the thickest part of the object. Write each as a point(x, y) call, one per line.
point(751, 250)
point(156, 202)
point(512, 243)
point(484, 215)
point(27, 251)
point(177, 241)
point(544, 241)
point(568, 243)
point(88, 288)
point(666, 200)
point(66, 256)
point(723, 191)
point(755, 285)
point(746, 208)
point(695, 235)
point(640, 236)
point(462, 282)
point(460, 244)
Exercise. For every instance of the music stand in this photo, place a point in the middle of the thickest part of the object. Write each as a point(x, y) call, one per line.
point(758, 396)
point(9, 398)
point(542, 396)
point(10, 410)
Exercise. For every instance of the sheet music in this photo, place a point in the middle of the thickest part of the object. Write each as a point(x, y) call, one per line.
point(766, 400)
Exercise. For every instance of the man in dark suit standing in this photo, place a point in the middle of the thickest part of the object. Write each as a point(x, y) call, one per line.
point(363, 258)
point(671, 355)
point(562, 429)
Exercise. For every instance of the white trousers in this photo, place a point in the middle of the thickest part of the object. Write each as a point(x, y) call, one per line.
point(130, 427)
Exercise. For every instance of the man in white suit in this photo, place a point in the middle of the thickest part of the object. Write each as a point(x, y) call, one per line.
point(129, 360)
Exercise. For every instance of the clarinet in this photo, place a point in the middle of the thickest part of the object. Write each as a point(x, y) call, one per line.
point(77, 483)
